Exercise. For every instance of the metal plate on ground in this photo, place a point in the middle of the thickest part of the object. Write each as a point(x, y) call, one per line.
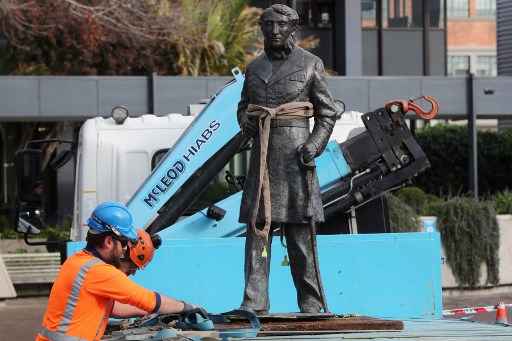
point(291, 325)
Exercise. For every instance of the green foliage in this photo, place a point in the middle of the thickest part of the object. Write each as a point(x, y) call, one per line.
point(56, 233)
point(469, 229)
point(402, 217)
point(470, 236)
point(447, 149)
point(8, 233)
point(186, 37)
point(6, 228)
point(224, 33)
point(417, 199)
point(503, 201)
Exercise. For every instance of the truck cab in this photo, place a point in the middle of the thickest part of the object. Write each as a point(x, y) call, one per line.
point(113, 159)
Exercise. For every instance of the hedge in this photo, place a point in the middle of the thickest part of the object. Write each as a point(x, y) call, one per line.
point(402, 217)
point(470, 236)
point(447, 148)
point(469, 229)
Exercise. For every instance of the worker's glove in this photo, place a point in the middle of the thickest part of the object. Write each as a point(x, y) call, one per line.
point(193, 308)
point(306, 153)
point(250, 127)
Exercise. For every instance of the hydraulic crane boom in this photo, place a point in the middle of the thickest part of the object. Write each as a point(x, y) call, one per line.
point(365, 166)
point(198, 155)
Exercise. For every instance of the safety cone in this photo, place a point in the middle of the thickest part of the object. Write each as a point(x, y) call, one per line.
point(501, 314)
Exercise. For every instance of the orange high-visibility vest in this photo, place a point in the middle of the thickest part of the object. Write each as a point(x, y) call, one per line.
point(82, 298)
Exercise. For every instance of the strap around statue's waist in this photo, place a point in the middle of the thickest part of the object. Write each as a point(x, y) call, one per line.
point(290, 122)
point(287, 111)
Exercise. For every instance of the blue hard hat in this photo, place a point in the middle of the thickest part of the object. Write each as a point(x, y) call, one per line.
point(112, 217)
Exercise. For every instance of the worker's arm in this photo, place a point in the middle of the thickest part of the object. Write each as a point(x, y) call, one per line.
point(170, 305)
point(167, 306)
point(122, 310)
point(106, 281)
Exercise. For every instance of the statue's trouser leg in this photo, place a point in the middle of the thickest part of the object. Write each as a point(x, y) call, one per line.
point(256, 271)
point(299, 241)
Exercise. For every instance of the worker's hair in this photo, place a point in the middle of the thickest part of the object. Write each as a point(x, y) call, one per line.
point(283, 10)
point(96, 240)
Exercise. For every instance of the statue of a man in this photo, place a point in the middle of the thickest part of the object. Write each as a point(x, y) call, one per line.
point(284, 87)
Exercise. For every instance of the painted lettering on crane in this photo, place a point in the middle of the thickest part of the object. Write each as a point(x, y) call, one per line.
point(178, 167)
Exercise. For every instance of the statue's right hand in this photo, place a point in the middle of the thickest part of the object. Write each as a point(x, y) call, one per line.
point(250, 128)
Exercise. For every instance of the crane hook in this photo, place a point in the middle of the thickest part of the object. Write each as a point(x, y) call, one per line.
point(410, 105)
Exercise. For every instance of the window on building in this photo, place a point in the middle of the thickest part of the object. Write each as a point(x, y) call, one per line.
point(458, 8)
point(315, 13)
point(369, 13)
point(458, 65)
point(402, 13)
point(486, 66)
point(486, 8)
point(436, 15)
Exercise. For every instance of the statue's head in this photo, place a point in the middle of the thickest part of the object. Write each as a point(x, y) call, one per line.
point(278, 24)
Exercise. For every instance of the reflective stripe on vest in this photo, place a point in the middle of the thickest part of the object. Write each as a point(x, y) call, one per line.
point(60, 333)
point(56, 336)
point(73, 297)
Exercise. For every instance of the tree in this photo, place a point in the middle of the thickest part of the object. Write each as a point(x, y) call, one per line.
point(130, 37)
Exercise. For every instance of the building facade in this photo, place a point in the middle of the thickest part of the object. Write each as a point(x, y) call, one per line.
point(471, 37)
point(375, 37)
point(403, 37)
point(504, 37)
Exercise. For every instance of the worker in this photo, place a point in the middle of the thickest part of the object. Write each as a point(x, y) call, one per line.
point(90, 287)
point(139, 255)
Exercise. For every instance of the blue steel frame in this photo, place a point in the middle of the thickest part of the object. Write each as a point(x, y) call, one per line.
point(393, 275)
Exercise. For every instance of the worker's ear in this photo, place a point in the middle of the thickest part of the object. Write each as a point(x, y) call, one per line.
point(108, 242)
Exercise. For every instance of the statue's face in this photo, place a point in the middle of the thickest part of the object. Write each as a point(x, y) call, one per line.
point(276, 29)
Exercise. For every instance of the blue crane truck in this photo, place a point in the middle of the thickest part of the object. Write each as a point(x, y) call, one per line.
point(383, 275)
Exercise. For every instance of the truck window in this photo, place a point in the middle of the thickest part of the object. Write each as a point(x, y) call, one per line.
point(228, 181)
point(157, 157)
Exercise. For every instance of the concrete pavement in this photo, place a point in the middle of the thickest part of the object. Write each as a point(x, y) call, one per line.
point(20, 318)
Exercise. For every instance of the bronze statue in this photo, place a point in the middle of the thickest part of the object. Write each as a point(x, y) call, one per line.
point(284, 87)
